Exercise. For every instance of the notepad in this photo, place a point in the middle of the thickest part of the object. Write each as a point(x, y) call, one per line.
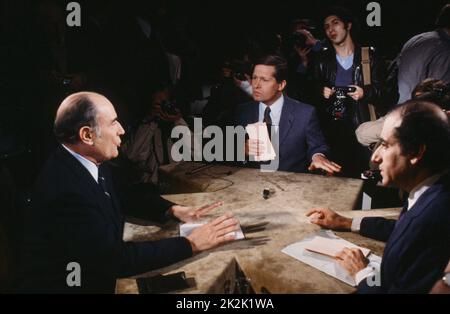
point(258, 131)
point(331, 247)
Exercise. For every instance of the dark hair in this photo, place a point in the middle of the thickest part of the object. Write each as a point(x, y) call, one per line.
point(280, 64)
point(422, 125)
point(433, 90)
point(443, 19)
point(81, 113)
point(342, 13)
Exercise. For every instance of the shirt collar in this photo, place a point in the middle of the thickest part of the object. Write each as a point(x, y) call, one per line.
point(417, 192)
point(345, 62)
point(89, 165)
point(275, 110)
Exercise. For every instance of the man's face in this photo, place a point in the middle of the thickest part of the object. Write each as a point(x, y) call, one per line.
point(266, 89)
point(335, 29)
point(106, 143)
point(394, 166)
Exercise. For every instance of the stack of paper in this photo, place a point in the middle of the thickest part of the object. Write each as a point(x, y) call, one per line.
point(327, 244)
point(331, 247)
point(258, 131)
point(187, 228)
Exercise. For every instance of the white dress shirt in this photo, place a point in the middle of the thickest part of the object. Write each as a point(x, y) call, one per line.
point(275, 111)
point(89, 165)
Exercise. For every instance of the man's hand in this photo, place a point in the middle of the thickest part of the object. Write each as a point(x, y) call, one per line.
point(188, 214)
point(213, 233)
point(310, 39)
point(327, 218)
point(357, 94)
point(238, 82)
point(321, 162)
point(353, 260)
point(254, 147)
point(303, 54)
point(327, 92)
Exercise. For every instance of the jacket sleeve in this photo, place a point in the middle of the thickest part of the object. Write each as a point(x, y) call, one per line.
point(91, 240)
point(417, 276)
point(377, 228)
point(143, 201)
point(314, 137)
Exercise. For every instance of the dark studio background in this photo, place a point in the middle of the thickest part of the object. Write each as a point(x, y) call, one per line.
point(203, 32)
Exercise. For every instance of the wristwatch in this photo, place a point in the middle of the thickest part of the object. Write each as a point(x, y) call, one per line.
point(446, 279)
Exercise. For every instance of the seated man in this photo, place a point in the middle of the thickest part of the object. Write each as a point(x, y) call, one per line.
point(301, 145)
point(414, 154)
point(77, 217)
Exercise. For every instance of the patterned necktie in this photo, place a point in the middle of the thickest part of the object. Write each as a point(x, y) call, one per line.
point(268, 121)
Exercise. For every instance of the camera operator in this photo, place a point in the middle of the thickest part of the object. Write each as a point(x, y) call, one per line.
point(301, 48)
point(303, 42)
point(239, 72)
point(233, 87)
point(148, 147)
point(344, 92)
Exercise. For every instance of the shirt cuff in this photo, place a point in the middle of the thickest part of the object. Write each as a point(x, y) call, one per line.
point(372, 269)
point(356, 224)
point(369, 271)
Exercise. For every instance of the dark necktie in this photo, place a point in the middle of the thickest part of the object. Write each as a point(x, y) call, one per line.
point(268, 121)
point(403, 212)
point(102, 182)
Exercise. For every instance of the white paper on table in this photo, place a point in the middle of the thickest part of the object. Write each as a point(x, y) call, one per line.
point(187, 228)
point(258, 131)
point(322, 262)
point(331, 247)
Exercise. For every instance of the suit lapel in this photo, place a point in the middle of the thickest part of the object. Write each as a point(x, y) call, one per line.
point(83, 174)
point(286, 119)
point(419, 207)
point(77, 168)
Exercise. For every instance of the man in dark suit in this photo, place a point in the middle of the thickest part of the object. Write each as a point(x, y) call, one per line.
point(77, 219)
point(293, 126)
point(414, 154)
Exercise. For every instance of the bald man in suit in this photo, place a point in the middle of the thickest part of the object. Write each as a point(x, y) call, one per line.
point(77, 214)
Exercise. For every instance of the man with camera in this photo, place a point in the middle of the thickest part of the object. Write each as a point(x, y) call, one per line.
point(347, 75)
point(149, 145)
point(302, 48)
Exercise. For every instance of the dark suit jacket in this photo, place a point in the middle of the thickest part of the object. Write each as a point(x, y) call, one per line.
point(73, 221)
point(417, 248)
point(300, 136)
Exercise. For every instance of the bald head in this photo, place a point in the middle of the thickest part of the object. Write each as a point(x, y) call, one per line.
point(76, 111)
point(417, 124)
